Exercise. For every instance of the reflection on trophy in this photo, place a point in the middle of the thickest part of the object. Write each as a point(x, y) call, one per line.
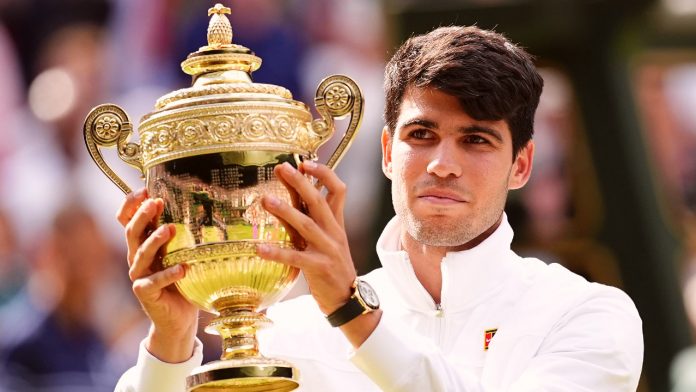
point(209, 152)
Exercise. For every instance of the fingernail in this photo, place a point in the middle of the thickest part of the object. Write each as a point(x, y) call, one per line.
point(263, 248)
point(140, 192)
point(288, 167)
point(309, 164)
point(163, 231)
point(272, 201)
point(177, 269)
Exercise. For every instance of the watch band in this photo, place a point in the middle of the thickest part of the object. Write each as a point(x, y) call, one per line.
point(352, 309)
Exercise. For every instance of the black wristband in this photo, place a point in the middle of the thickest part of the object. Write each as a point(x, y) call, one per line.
point(346, 313)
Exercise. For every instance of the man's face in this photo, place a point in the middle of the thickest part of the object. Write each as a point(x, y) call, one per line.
point(450, 173)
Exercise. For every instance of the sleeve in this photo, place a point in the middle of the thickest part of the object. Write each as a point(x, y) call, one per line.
point(595, 346)
point(152, 375)
point(398, 359)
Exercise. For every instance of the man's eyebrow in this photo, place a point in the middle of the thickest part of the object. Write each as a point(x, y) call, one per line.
point(420, 122)
point(482, 129)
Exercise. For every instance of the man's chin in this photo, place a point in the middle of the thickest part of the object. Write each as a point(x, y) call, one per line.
point(441, 231)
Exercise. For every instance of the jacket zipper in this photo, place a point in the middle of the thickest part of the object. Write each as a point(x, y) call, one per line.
point(440, 315)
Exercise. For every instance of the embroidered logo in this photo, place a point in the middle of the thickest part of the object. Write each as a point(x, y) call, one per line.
point(487, 336)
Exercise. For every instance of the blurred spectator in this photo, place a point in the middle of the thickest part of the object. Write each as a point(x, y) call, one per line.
point(50, 162)
point(558, 210)
point(141, 54)
point(667, 96)
point(11, 263)
point(682, 374)
point(680, 91)
point(32, 22)
point(66, 349)
point(11, 97)
point(142, 63)
point(666, 135)
point(547, 196)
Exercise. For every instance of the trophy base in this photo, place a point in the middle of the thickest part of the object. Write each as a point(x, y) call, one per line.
point(244, 374)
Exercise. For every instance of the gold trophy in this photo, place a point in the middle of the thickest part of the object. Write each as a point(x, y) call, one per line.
point(209, 152)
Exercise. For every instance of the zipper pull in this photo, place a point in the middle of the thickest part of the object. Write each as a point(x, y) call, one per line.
point(439, 312)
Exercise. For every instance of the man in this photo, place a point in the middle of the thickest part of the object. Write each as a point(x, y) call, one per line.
point(459, 310)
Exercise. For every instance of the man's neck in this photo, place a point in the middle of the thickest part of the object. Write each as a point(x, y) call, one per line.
point(426, 259)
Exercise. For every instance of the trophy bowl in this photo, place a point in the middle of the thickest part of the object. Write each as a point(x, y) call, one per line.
point(208, 152)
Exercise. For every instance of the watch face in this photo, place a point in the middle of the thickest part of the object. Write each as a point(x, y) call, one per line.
point(368, 295)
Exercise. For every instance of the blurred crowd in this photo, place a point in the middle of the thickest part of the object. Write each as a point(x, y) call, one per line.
point(68, 320)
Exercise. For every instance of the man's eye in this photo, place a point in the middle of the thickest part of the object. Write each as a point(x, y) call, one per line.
point(421, 134)
point(475, 139)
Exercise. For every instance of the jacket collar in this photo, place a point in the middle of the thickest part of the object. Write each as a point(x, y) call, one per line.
point(468, 276)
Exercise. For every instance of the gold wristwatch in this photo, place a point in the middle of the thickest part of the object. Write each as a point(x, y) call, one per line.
point(363, 300)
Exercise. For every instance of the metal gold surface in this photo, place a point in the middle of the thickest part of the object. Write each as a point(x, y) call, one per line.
point(209, 152)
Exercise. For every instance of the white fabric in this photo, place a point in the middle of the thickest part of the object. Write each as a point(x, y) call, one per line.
point(555, 331)
point(151, 374)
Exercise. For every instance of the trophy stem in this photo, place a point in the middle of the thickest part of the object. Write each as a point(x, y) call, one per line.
point(237, 327)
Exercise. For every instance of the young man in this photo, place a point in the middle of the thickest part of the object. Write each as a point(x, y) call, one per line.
point(459, 310)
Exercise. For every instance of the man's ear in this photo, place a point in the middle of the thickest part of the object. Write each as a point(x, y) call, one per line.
point(386, 152)
point(522, 167)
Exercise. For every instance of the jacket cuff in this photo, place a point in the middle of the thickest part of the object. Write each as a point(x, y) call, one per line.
point(153, 374)
point(388, 355)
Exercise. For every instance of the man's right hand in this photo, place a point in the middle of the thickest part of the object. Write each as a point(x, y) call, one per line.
point(174, 319)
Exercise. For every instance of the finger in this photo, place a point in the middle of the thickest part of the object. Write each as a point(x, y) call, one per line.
point(295, 238)
point(336, 196)
point(316, 203)
point(145, 255)
point(149, 288)
point(136, 227)
point(130, 205)
point(301, 223)
point(291, 257)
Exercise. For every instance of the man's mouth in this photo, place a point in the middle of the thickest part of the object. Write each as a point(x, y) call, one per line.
point(441, 196)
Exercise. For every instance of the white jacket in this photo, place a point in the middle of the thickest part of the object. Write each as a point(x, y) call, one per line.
point(554, 331)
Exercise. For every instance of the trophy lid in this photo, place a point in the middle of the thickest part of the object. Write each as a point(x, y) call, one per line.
point(221, 63)
point(224, 110)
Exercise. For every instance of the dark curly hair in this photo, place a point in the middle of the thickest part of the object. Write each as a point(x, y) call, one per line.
point(492, 78)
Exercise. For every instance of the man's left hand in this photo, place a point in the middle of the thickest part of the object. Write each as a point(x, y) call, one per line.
point(326, 261)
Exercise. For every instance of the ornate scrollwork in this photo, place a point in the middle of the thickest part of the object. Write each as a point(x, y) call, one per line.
point(225, 128)
point(321, 128)
point(336, 97)
point(166, 137)
point(192, 132)
point(174, 137)
point(285, 127)
point(105, 126)
point(257, 126)
point(106, 129)
point(278, 126)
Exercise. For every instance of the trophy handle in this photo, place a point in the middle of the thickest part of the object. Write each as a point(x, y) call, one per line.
point(108, 125)
point(336, 97)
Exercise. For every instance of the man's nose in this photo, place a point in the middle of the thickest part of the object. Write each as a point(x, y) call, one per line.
point(443, 162)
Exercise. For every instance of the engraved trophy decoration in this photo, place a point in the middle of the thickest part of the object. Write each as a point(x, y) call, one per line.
point(209, 152)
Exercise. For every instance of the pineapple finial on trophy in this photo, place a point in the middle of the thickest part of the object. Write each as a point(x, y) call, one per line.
point(219, 28)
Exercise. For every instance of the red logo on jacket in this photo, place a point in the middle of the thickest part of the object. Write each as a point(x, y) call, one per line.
point(487, 336)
